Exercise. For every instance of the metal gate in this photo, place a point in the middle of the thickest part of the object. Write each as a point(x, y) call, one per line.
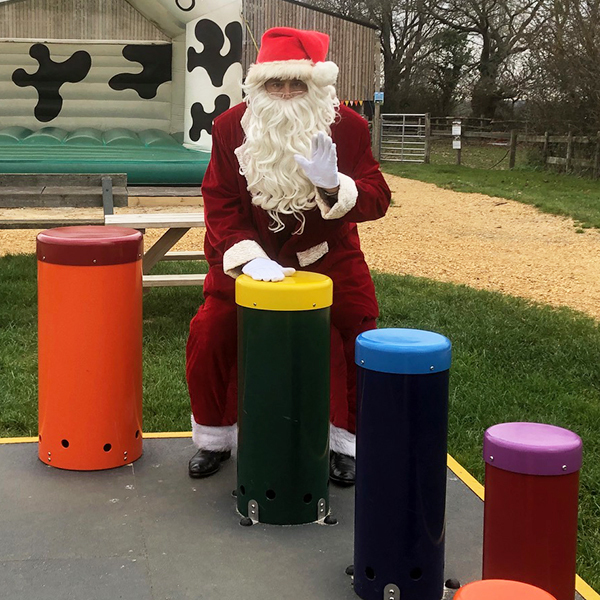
point(404, 137)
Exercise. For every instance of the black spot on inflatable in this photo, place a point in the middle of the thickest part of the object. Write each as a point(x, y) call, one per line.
point(156, 62)
point(210, 35)
point(202, 120)
point(190, 6)
point(49, 77)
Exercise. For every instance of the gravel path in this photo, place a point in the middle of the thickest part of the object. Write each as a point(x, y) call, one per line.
point(473, 239)
point(486, 243)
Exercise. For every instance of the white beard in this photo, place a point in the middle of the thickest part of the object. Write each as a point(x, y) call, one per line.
point(275, 130)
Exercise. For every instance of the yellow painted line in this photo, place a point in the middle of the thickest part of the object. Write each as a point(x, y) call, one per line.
point(158, 434)
point(19, 440)
point(168, 434)
point(466, 477)
point(583, 589)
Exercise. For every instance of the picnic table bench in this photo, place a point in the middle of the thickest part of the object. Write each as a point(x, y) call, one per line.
point(177, 225)
point(108, 191)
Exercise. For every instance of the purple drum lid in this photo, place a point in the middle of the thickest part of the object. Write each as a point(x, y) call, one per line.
point(532, 449)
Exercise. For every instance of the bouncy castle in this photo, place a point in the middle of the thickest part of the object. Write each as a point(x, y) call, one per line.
point(133, 86)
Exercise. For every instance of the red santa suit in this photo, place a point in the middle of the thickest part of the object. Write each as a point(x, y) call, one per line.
point(237, 231)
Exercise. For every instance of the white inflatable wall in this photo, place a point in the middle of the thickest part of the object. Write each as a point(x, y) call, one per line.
point(213, 73)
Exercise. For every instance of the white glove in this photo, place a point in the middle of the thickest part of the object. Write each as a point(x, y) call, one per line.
point(321, 169)
point(265, 269)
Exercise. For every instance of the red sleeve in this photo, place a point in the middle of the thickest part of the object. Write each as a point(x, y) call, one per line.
point(363, 195)
point(228, 221)
point(374, 195)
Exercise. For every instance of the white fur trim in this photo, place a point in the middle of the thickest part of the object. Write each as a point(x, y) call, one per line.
point(239, 254)
point(215, 439)
point(242, 157)
point(245, 120)
point(240, 151)
point(342, 441)
point(346, 201)
point(312, 255)
point(322, 73)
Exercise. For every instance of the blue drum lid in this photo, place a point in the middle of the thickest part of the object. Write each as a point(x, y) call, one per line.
point(403, 351)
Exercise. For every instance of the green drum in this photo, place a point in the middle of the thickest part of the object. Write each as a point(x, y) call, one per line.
point(283, 395)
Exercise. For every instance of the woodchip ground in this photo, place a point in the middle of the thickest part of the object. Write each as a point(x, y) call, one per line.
point(472, 239)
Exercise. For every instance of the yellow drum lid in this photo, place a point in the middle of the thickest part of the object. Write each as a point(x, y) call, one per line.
point(301, 291)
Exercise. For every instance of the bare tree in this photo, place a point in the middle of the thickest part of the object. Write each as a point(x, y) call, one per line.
point(565, 62)
point(406, 31)
point(501, 29)
point(445, 71)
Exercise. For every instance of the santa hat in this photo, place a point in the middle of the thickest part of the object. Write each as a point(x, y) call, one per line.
point(287, 53)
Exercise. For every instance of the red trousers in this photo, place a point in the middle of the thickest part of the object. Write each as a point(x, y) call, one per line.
point(211, 352)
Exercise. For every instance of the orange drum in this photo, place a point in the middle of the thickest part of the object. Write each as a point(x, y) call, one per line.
point(501, 589)
point(90, 347)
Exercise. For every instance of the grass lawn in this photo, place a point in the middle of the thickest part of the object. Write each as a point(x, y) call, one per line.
point(512, 361)
point(554, 193)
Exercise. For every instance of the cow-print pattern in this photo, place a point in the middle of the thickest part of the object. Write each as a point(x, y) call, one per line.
point(49, 78)
point(156, 63)
point(192, 6)
point(210, 35)
point(201, 120)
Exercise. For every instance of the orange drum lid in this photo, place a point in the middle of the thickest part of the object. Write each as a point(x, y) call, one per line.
point(89, 245)
point(501, 589)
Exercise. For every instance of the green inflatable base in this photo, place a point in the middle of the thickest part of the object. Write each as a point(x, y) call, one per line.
point(150, 157)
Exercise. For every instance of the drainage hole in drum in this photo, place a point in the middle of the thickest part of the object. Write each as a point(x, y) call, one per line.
point(370, 573)
point(65, 443)
point(416, 573)
point(307, 498)
point(242, 490)
point(271, 494)
point(107, 447)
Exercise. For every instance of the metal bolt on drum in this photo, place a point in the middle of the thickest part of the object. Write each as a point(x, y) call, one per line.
point(321, 509)
point(391, 592)
point(253, 510)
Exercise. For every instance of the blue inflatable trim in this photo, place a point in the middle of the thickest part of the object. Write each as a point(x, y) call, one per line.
point(403, 351)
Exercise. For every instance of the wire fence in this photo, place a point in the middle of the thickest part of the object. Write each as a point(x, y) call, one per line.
point(484, 143)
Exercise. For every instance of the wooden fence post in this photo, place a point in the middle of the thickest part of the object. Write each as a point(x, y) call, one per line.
point(513, 148)
point(568, 162)
point(596, 173)
point(546, 148)
point(376, 132)
point(427, 138)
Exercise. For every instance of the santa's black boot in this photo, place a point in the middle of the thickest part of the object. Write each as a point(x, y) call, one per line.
point(206, 462)
point(342, 468)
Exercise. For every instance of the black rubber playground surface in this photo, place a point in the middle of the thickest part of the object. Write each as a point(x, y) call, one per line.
point(146, 531)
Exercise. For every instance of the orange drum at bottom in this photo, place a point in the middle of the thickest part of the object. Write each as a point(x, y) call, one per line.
point(501, 589)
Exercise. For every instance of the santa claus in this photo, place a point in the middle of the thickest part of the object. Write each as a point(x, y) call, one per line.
point(290, 175)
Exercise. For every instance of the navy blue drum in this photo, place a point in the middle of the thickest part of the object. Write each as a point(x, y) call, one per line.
point(401, 455)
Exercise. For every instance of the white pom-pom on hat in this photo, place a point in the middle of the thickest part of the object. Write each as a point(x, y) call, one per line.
point(325, 73)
